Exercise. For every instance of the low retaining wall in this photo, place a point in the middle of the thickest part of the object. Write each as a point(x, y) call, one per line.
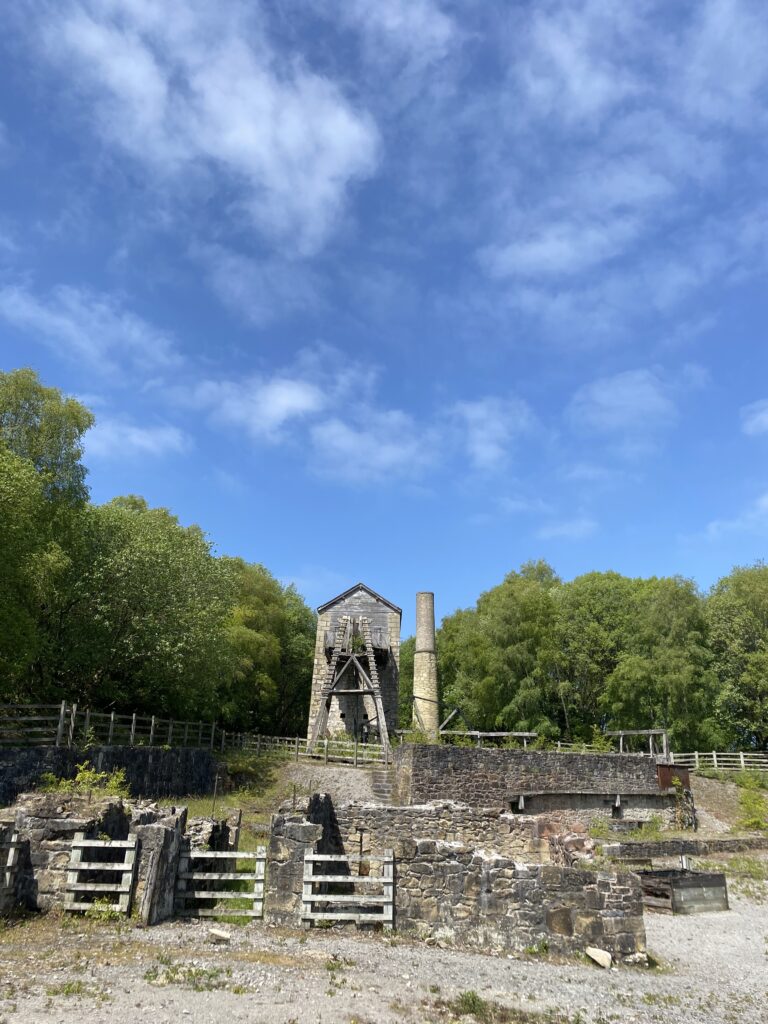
point(150, 771)
point(489, 900)
point(494, 778)
point(390, 827)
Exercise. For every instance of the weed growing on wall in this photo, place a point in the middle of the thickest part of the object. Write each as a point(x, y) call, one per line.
point(86, 780)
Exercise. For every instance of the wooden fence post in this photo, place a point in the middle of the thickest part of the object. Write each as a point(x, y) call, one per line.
point(258, 744)
point(213, 730)
point(111, 729)
point(72, 721)
point(170, 732)
point(152, 731)
point(714, 759)
point(133, 729)
point(326, 750)
point(223, 737)
point(60, 730)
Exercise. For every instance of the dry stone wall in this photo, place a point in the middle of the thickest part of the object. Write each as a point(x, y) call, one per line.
point(150, 771)
point(396, 827)
point(485, 899)
point(494, 778)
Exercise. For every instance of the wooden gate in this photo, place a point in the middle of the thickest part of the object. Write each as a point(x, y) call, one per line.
point(344, 896)
point(214, 886)
point(85, 878)
point(9, 863)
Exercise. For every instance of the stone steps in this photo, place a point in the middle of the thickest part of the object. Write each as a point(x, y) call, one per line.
point(382, 784)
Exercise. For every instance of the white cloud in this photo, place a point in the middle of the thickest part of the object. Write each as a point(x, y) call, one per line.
point(568, 529)
point(415, 32)
point(562, 247)
point(607, 150)
point(382, 447)
point(261, 290)
point(754, 519)
point(489, 426)
point(754, 418)
point(264, 407)
point(634, 403)
point(189, 88)
point(118, 439)
point(88, 326)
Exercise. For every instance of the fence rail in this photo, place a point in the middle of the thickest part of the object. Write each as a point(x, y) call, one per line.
point(68, 725)
point(753, 761)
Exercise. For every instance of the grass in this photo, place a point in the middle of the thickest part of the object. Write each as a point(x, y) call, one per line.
point(747, 876)
point(486, 1011)
point(199, 979)
point(78, 989)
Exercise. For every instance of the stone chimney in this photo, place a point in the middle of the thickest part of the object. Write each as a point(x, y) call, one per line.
point(426, 713)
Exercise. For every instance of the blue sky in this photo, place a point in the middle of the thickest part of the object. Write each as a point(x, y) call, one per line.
point(408, 291)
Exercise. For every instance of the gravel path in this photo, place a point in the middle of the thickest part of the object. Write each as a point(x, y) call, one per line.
point(715, 971)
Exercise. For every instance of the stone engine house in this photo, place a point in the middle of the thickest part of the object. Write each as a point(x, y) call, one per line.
point(357, 667)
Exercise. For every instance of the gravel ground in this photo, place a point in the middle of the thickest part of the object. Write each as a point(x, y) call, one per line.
point(343, 785)
point(714, 968)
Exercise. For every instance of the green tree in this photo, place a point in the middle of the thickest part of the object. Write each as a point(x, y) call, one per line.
point(737, 611)
point(46, 428)
point(21, 538)
point(272, 638)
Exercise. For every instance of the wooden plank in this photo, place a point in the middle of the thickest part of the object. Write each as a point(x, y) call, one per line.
point(227, 855)
point(218, 876)
point(103, 865)
point(360, 918)
point(75, 857)
point(103, 844)
point(80, 905)
point(346, 879)
point(209, 912)
point(363, 899)
point(98, 887)
point(216, 894)
point(349, 858)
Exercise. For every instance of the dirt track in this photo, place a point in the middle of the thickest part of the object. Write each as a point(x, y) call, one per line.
point(716, 972)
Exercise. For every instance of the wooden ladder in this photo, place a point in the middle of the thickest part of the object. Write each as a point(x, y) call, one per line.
point(365, 627)
point(321, 721)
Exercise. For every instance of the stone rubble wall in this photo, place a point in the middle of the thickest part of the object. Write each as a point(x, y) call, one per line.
point(391, 827)
point(493, 778)
point(449, 891)
point(453, 891)
point(150, 771)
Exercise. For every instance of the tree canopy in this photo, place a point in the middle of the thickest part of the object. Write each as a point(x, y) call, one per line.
point(604, 651)
point(120, 605)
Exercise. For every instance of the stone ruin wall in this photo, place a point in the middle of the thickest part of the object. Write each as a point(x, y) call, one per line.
point(47, 823)
point(450, 890)
point(492, 778)
point(150, 771)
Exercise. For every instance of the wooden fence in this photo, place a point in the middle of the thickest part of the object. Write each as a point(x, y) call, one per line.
point(86, 881)
point(65, 724)
point(753, 761)
point(222, 891)
point(69, 725)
